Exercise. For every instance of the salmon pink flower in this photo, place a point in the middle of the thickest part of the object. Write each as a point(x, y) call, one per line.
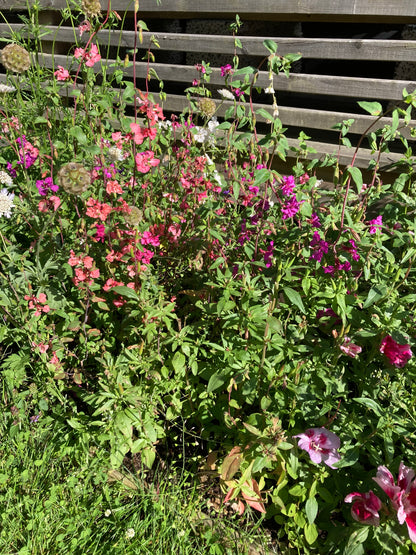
point(321, 445)
point(62, 74)
point(146, 160)
point(397, 354)
point(365, 507)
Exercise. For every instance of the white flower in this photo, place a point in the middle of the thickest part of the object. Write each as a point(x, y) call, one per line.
point(115, 154)
point(164, 124)
point(130, 533)
point(269, 90)
point(5, 178)
point(213, 124)
point(6, 88)
point(201, 134)
point(225, 93)
point(275, 110)
point(107, 512)
point(6, 203)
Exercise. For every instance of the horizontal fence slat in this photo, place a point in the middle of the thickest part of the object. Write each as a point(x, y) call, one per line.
point(355, 87)
point(299, 117)
point(324, 49)
point(398, 10)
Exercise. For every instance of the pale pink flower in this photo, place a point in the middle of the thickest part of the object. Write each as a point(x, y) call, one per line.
point(397, 354)
point(84, 27)
point(321, 445)
point(62, 74)
point(350, 349)
point(365, 507)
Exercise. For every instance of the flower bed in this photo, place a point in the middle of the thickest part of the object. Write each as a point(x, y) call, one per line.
point(161, 273)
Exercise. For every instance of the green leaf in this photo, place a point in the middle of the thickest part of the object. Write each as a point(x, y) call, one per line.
point(357, 177)
point(373, 108)
point(265, 114)
point(178, 362)
point(311, 508)
point(261, 176)
point(311, 533)
point(356, 540)
point(374, 295)
point(270, 45)
point(369, 403)
point(78, 134)
point(125, 291)
point(215, 382)
point(294, 298)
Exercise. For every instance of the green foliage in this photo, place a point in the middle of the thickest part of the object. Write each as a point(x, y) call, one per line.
point(167, 296)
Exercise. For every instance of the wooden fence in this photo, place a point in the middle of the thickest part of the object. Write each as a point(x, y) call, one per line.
point(348, 48)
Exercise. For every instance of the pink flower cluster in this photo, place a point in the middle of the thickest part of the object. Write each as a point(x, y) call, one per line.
point(365, 506)
point(85, 271)
point(90, 57)
point(38, 303)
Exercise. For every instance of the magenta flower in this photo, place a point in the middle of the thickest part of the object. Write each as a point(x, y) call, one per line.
point(288, 184)
point(397, 354)
point(226, 70)
point(321, 445)
point(319, 246)
point(402, 496)
point(290, 208)
point(350, 349)
point(375, 224)
point(365, 507)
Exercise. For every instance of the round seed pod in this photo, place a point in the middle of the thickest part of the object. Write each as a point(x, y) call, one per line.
point(74, 178)
point(135, 216)
point(91, 8)
point(206, 107)
point(15, 58)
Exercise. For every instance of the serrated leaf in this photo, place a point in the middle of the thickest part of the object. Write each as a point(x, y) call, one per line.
point(294, 298)
point(178, 362)
point(261, 176)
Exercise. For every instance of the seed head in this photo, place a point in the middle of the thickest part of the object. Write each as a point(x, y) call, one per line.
point(74, 178)
point(15, 58)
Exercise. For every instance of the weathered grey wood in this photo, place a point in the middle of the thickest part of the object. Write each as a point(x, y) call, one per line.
point(324, 49)
point(327, 85)
point(398, 10)
point(299, 117)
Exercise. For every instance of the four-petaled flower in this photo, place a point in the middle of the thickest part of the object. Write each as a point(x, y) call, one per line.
point(397, 354)
point(321, 445)
point(402, 495)
point(365, 507)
